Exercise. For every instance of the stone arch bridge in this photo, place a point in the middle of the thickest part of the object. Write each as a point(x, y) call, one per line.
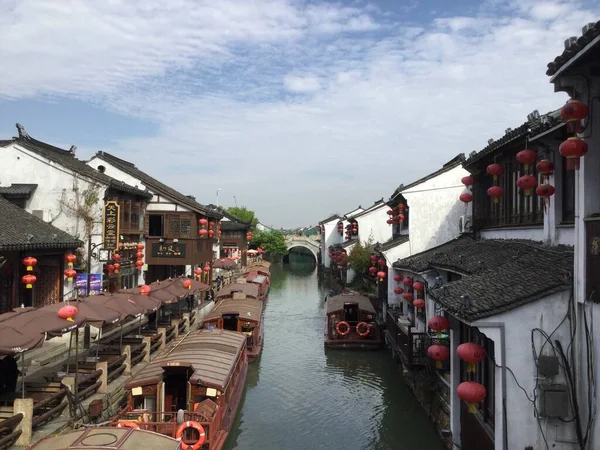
point(312, 243)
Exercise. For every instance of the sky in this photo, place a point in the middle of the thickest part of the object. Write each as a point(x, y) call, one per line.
point(295, 109)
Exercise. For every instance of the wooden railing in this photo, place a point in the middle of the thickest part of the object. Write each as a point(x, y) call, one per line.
point(8, 434)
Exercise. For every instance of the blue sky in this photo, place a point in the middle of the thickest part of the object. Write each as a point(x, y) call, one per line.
point(298, 108)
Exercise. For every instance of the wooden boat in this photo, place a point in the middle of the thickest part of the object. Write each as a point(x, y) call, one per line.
point(243, 316)
point(351, 322)
point(113, 438)
point(191, 391)
point(261, 280)
point(239, 291)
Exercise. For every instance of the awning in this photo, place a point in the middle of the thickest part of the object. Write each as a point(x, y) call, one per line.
point(46, 320)
point(120, 303)
point(17, 340)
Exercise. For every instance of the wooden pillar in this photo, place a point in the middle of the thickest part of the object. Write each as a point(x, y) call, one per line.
point(163, 338)
point(127, 353)
point(69, 383)
point(176, 323)
point(25, 407)
point(148, 341)
point(103, 388)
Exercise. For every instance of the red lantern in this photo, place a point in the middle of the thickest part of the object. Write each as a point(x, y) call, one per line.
point(419, 303)
point(70, 273)
point(203, 222)
point(139, 255)
point(28, 280)
point(495, 192)
point(389, 221)
point(67, 312)
point(398, 278)
point(197, 271)
point(401, 218)
point(110, 268)
point(527, 183)
point(140, 247)
point(573, 149)
point(139, 264)
point(372, 271)
point(116, 257)
point(418, 286)
point(398, 290)
point(466, 198)
point(471, 353)
point(145, 289)
point(408, 297)
point(467, 181)
point(408, 281)
point(211, 234)
point(401, 207)
point(117, 268)
point(544, 168)
point(390, 212)
point(545, 190)
point(381, 262)
point(438, 353)
point(203, 232)
point(206, 268)
point(219, 233)
point(373, 259)
point(381, 275)
point(472, 393)
point(211, 224)
point(29, 262)
point(438, 324)
point(187, 284)
point(496, 170)
point(574, 112)
point(70, 258)
point(526, 157)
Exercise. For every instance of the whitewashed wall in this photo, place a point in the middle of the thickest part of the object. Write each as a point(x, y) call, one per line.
point(391, 256)
point(332, 237)
point(514, 327)
point(19, 165)
point(372, 225)
point(435, 210)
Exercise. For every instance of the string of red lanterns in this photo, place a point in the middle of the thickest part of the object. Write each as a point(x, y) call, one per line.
point(29, 279)
point(574, 148)
point(467, 196)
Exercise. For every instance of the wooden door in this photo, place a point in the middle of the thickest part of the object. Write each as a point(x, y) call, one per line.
point(47, 286)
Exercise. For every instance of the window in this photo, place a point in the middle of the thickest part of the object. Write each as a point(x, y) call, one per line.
point(234, 234)
point(568, 194)
point(155, 225)
point(135, 215)
point(179, 225)
point(174, 224)
point(484, 374)
point(185, 225)
point(513, 208)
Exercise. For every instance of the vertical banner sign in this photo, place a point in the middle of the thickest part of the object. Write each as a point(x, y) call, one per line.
point(111, 225)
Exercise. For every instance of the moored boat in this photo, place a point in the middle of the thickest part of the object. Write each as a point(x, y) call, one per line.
point(239, 291)
point(243, 316)
point(109, 438)
point(351, 322)
point(191, 391)
point(259, 274)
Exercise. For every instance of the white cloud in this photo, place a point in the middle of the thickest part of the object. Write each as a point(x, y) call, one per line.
point(386, 101)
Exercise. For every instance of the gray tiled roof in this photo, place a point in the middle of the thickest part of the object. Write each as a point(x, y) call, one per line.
point(18, 190)
point(370, 209)
point(16, 224)
point(590, 33)
point(329, 219)
point(157, 186)
point(498, 274)
point(392, 243)
point(68, 160)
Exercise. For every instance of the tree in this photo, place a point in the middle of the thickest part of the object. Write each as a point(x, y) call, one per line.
point(272, 242)
point(244, 214)
point(360, 257)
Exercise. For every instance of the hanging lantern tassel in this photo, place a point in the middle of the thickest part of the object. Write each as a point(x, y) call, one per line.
point(545, 191)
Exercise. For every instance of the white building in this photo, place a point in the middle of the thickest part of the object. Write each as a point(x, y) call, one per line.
point(71, 195)
point(329, 237)
point(575, 72)
point(181, 233)
point(505, 285)
point(372, 225)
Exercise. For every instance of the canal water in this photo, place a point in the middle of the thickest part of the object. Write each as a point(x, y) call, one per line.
point(300, 396)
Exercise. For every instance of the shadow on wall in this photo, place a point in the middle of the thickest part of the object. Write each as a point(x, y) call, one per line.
point(449, 229)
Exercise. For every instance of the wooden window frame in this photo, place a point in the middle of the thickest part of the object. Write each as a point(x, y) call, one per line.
point(188, 232)
point(162, 233)
point(173, 228)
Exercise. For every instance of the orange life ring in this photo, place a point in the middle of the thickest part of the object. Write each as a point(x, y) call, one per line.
point(341, 324)
point(127, 424)
point(196, 426)
point(366, 326)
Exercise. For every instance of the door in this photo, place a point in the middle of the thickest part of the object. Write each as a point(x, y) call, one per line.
point(351, 313)
point(176, 383)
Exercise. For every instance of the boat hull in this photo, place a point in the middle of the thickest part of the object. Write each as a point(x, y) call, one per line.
point(367, 344)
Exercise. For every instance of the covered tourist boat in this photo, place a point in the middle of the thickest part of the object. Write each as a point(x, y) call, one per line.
point(351, 322)
point(260, 274)
point(239, 291)
point(191, 391)
point(243, 316)
point(112, 438)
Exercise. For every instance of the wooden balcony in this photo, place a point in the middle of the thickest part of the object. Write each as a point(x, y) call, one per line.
point(411, 345)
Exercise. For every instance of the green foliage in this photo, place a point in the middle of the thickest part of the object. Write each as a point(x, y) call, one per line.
point(272, 242)
point(359, 257)
point(243, 214)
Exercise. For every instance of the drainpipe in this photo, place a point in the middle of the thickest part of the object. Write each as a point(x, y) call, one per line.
point(503, 367)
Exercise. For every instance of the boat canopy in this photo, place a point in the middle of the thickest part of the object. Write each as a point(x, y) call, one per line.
point(337, 302)
point(210, 354)
point(248, 309)
point(250, 289)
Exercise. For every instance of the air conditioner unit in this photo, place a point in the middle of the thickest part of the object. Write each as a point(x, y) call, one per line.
point(465, 224)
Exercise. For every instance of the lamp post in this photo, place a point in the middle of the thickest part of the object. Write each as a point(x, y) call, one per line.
point(91, 248)
point(218, 190)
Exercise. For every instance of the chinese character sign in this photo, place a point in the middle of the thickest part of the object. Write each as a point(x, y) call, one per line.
point(110, 225)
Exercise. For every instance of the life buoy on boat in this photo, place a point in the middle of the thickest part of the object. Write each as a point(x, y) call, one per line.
point(127, 424)
point(342, 328)
point(363, 329)
point(196, 426)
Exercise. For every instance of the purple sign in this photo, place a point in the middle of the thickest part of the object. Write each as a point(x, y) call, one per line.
point(95, 284)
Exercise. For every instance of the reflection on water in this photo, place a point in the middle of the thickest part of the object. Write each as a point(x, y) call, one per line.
point(301, 397)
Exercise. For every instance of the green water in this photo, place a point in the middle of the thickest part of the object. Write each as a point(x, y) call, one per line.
point(301, 397)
